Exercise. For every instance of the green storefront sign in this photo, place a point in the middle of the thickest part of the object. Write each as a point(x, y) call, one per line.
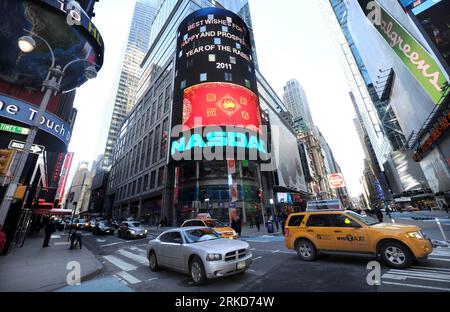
point(13, 129)
point(419, 62)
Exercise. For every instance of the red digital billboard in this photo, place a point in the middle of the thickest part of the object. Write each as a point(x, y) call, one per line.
point(221, 104)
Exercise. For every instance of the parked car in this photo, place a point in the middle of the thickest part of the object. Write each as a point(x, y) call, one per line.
point(132, 229)
point(200, 252)
point(103, 227)
point(216, 225)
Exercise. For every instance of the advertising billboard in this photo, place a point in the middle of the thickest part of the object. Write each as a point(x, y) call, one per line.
point(412, 54)
point(216, 112)
point(434, 16)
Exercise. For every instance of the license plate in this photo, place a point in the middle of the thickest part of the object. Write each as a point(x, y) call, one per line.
point(241, 265)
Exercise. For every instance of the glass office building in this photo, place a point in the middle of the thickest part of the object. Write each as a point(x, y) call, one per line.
point(141, 182)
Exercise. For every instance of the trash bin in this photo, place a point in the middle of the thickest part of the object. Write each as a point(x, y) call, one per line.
point(270, 227)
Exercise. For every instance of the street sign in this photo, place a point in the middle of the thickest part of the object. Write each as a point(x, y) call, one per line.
point(13, 129)
point(19, 145)
point(336, 180)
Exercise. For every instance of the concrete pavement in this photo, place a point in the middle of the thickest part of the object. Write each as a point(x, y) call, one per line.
point(33, 268)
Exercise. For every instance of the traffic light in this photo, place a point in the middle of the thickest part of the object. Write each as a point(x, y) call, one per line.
point(6, 157)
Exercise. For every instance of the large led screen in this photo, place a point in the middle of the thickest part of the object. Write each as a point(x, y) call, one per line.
point(216, 106)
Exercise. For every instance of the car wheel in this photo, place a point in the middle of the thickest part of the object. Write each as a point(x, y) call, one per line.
point(197, 272)
point(396, 255)
point(153, 262)
point(306, 250)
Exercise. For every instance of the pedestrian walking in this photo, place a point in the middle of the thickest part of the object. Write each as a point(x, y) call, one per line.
point(166, 223)
point(75, 239)
point(388, 212)
point(251, 222)
point(258, 225)
point(50, 228)
point(238, 226)
point(379, 214)
point(277, 223)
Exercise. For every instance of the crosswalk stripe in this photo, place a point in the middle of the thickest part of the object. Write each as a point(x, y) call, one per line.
point(129, 278)
point(404, 277)
point(417, 286)
point(134, 257)
point(421, 274)
point(120, 264)
point(439, 259)
point(430, 268)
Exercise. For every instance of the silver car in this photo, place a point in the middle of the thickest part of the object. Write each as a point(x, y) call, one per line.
point(200, 252)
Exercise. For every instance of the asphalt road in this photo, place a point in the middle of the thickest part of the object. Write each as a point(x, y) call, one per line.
point(274, 268)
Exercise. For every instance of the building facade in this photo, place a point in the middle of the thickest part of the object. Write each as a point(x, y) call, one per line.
point(141, 183)
point(136, 49)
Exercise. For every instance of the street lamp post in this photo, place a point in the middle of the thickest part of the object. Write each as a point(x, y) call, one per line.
point(51, 84)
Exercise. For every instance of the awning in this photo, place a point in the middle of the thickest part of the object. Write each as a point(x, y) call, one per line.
point(41, 212)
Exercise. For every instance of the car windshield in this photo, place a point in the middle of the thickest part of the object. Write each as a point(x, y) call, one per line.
point(363, 218)
point(135, 224)
point(82, 221)
point(214, 223)
point(200, 235)
point(104, 223)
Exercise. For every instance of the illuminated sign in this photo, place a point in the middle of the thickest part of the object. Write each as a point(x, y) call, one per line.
point(64, 175)
point(13, 129)
point(216, 106)
point(23, 112)
point(444, 124)
point(413, 55)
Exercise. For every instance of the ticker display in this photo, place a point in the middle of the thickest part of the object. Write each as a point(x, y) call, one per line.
point(216, 106)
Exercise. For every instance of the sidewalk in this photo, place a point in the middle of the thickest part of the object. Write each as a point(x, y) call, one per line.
point(422, 214)
point(33, 268)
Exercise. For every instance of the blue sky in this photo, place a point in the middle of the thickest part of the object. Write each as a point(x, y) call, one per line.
point(292, 41)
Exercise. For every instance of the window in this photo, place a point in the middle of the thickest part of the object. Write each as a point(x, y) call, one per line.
point(203, 77)
point(340, 220)
point(183, 84)
point(152, 179)
point(228, 77)
point(238, 45)
point(210, 16)
point(165, 238)
point(212, 57)
point(296, 220)
point(139, 185)
point(225, 28)
point(164, 135)
point(180, 54)
point(232, 60)
point(217, 41)
point(161, 176)
point(156, 143)
point(318, 220)
point(185, 37)
point(145, 183)
point(168, 96)
point(149, 150)
point(202, 28)
point(134, 188)
point(160, 105)
point(247, 83)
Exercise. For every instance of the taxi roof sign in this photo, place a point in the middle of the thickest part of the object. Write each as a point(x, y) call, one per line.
point(326, 204)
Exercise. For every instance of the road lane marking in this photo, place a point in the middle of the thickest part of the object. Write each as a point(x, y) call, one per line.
point(55, 236)
point(129, 278)
point(152, 279)
point(275, 251)
point(120, 264)
point(134, 257)
point(61, 243)
point(417, 286)
point(257, 258)
point(439, 259)
point(112, 244)
point(429, 271)
point(101, 240)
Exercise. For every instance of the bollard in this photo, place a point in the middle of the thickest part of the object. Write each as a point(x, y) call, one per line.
point(442, 230)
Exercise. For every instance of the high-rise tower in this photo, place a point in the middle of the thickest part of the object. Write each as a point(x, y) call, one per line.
point(137, 47)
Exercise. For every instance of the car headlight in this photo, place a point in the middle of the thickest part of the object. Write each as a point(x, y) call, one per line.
point(214, 257)
point(133, 232)
point(145, 231)
point(417, 235)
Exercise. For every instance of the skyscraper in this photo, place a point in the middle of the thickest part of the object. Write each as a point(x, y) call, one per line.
point(137, 47)
point(297, 104)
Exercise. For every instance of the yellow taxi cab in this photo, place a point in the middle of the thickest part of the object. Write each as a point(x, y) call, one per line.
point(216, 225)
point(346, 231)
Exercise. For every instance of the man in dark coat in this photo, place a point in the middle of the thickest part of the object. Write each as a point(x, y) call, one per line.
point(50, 228)
point(379, 214)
